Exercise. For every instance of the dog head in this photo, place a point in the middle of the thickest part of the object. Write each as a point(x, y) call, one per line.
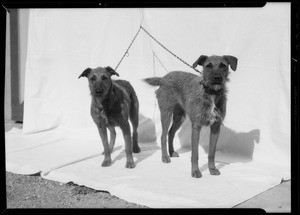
point(215, 70)
point(100, 82)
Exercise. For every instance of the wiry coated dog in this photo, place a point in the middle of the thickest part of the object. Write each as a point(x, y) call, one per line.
point(113, 103)
point(202, 99)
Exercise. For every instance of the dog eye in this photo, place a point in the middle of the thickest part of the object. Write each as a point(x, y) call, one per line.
point(222, 65)
point(93, 78)
point(209, 65)
point(103, 78)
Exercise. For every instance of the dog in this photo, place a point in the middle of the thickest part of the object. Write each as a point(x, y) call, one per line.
point(114, 102)
point(202, 99)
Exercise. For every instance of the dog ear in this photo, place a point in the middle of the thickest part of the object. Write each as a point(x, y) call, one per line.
point(111, 71)
point(200, 61)
point(85, 73)
point(232, 61)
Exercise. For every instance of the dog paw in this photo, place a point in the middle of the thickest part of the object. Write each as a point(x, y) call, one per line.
point(174, 154)
point(214, 171)
point(196, 174)
point(166, 159)
point(106, 162)
point(130, 164)
point(136, 149)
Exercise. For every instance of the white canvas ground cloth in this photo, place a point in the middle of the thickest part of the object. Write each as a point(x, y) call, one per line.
point(60, 140)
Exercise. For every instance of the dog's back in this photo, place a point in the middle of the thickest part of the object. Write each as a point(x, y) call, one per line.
point(175, 78)
point(131, 93)
point(125, 85)
point(176, 85)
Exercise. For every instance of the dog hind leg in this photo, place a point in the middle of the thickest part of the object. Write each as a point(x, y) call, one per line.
point(178, 119)
point(134, 119)
point(165, 122)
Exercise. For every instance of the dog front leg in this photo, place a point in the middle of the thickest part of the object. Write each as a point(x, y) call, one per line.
point(195, 154)
point(103, 135)
point(112, 138)
point(214, 136)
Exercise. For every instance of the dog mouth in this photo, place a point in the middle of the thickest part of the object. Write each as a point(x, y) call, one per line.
point(216, 86)
point(97, 92)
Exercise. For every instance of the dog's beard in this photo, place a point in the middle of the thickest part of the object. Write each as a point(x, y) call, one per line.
point(216, 87)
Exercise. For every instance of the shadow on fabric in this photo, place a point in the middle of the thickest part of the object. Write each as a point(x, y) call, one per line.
point(232, 146)
point(146, 140)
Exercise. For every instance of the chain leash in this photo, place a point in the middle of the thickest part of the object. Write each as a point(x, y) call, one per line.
point(169, 50)
point(126, 52)
point(141, 27)
point(155, 56)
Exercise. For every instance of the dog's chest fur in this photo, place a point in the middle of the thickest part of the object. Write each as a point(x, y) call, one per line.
point(214, 110)
point(204, 110)
point(112, 111)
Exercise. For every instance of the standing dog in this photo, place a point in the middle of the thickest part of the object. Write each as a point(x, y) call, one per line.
point(113, 103)
point(203, 99)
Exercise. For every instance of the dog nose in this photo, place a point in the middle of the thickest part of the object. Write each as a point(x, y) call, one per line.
point(217, 78)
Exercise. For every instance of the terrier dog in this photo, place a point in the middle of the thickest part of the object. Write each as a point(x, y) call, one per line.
point(202, 99)
point(113, 103)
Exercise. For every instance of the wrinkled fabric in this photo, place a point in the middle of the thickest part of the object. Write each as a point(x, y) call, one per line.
point(60, 140)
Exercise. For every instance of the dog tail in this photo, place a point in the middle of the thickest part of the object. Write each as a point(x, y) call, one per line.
point(155, 81)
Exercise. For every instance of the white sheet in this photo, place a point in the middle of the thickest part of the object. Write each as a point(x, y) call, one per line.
point(60, 140)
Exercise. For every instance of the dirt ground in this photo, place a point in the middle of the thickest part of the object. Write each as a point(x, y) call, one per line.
point(24, 191)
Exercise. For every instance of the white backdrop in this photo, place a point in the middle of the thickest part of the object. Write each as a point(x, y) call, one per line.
point(64, 42)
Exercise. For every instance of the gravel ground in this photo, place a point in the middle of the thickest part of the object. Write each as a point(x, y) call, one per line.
point(23, 191)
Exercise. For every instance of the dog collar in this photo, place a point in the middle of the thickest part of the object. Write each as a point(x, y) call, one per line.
point(210, 91)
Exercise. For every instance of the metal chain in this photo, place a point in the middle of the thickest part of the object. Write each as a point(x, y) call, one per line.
point(153, 61)
point(126, 52)
point(141, 27)
point(154, 54)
